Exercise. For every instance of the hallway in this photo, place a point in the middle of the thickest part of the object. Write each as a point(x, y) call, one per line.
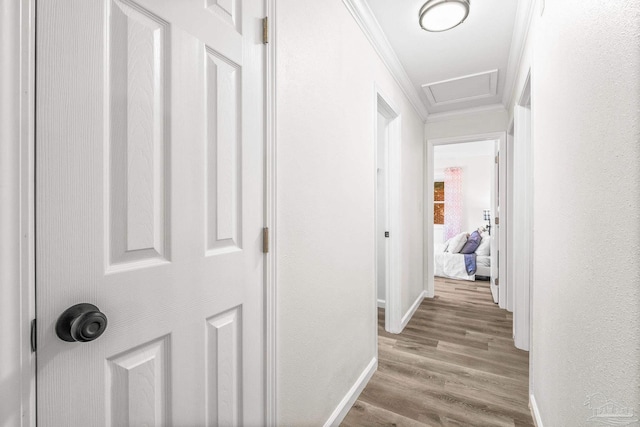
point(448, 367)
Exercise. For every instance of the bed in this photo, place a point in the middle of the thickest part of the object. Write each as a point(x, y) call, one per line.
point(452, 264)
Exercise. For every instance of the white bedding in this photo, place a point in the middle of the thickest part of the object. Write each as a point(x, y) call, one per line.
point(483, 266)
point(452, 265)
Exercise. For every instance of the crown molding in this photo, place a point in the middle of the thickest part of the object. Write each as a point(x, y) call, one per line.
point(524, 14)
point(369, 25)
point(447, 115)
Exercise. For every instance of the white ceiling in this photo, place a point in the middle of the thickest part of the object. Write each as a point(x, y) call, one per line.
point(455, 69)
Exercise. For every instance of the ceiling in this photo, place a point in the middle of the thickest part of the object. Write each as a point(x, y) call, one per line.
point(465, 67)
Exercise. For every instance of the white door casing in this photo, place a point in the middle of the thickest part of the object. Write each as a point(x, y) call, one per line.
point(495, 228)
point(17, 270)
point(150, 205)
point(522, 228)
point(503, 227)
point(509, 227)
point(499, 227)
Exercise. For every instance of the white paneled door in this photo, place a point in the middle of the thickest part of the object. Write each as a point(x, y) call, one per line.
point(495, 226)
point(149, 206)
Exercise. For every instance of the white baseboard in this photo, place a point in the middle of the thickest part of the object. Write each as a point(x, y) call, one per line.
point(352, 395)
point(535, 412)
point(409, 314)
point(382, 303)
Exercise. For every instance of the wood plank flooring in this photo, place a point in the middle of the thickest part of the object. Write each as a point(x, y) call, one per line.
point(453, 365)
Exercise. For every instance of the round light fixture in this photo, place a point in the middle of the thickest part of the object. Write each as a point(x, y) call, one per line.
point(443, 15)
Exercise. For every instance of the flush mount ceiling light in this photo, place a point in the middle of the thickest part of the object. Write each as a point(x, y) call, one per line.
point(443, 15)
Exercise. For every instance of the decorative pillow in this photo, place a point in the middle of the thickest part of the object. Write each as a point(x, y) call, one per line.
point(457, 242)
point(445, 245)
point(472, 243)
point(485, 245)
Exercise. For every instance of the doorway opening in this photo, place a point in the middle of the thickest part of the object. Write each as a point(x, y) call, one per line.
point(386, 148)
point(464, 203)
point(470, 208)
point(382, 209)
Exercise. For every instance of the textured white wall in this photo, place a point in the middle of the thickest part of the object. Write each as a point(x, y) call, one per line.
point(326, 70)
point(586, 278)
point(476, 185)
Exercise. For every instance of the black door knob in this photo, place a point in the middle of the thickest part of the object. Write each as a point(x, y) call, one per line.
point(82, 323)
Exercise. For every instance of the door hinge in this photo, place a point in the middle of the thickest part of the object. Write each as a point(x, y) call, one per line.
point(265, 30)
point(497, 220)
point(497, 282)
point(497, 159)
point(386, 234)
point(265, 240)
point(34, 343)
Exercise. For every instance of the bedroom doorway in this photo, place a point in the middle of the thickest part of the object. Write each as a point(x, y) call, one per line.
point(382, 209)
point(464, 198)
point(461, 209)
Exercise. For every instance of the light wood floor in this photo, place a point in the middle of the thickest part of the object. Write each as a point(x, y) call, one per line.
point(453, 365)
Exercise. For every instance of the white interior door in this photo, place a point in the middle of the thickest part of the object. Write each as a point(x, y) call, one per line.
point(502, 227)
point(495, 229)
point(149, 195)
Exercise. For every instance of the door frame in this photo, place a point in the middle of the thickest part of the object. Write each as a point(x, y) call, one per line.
point(270, 214)
point(383, 105)
point(509, 227)
point(17, 211)
point(429, 266)
point(504, 219)
point(523, 247)
point(17, 208)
